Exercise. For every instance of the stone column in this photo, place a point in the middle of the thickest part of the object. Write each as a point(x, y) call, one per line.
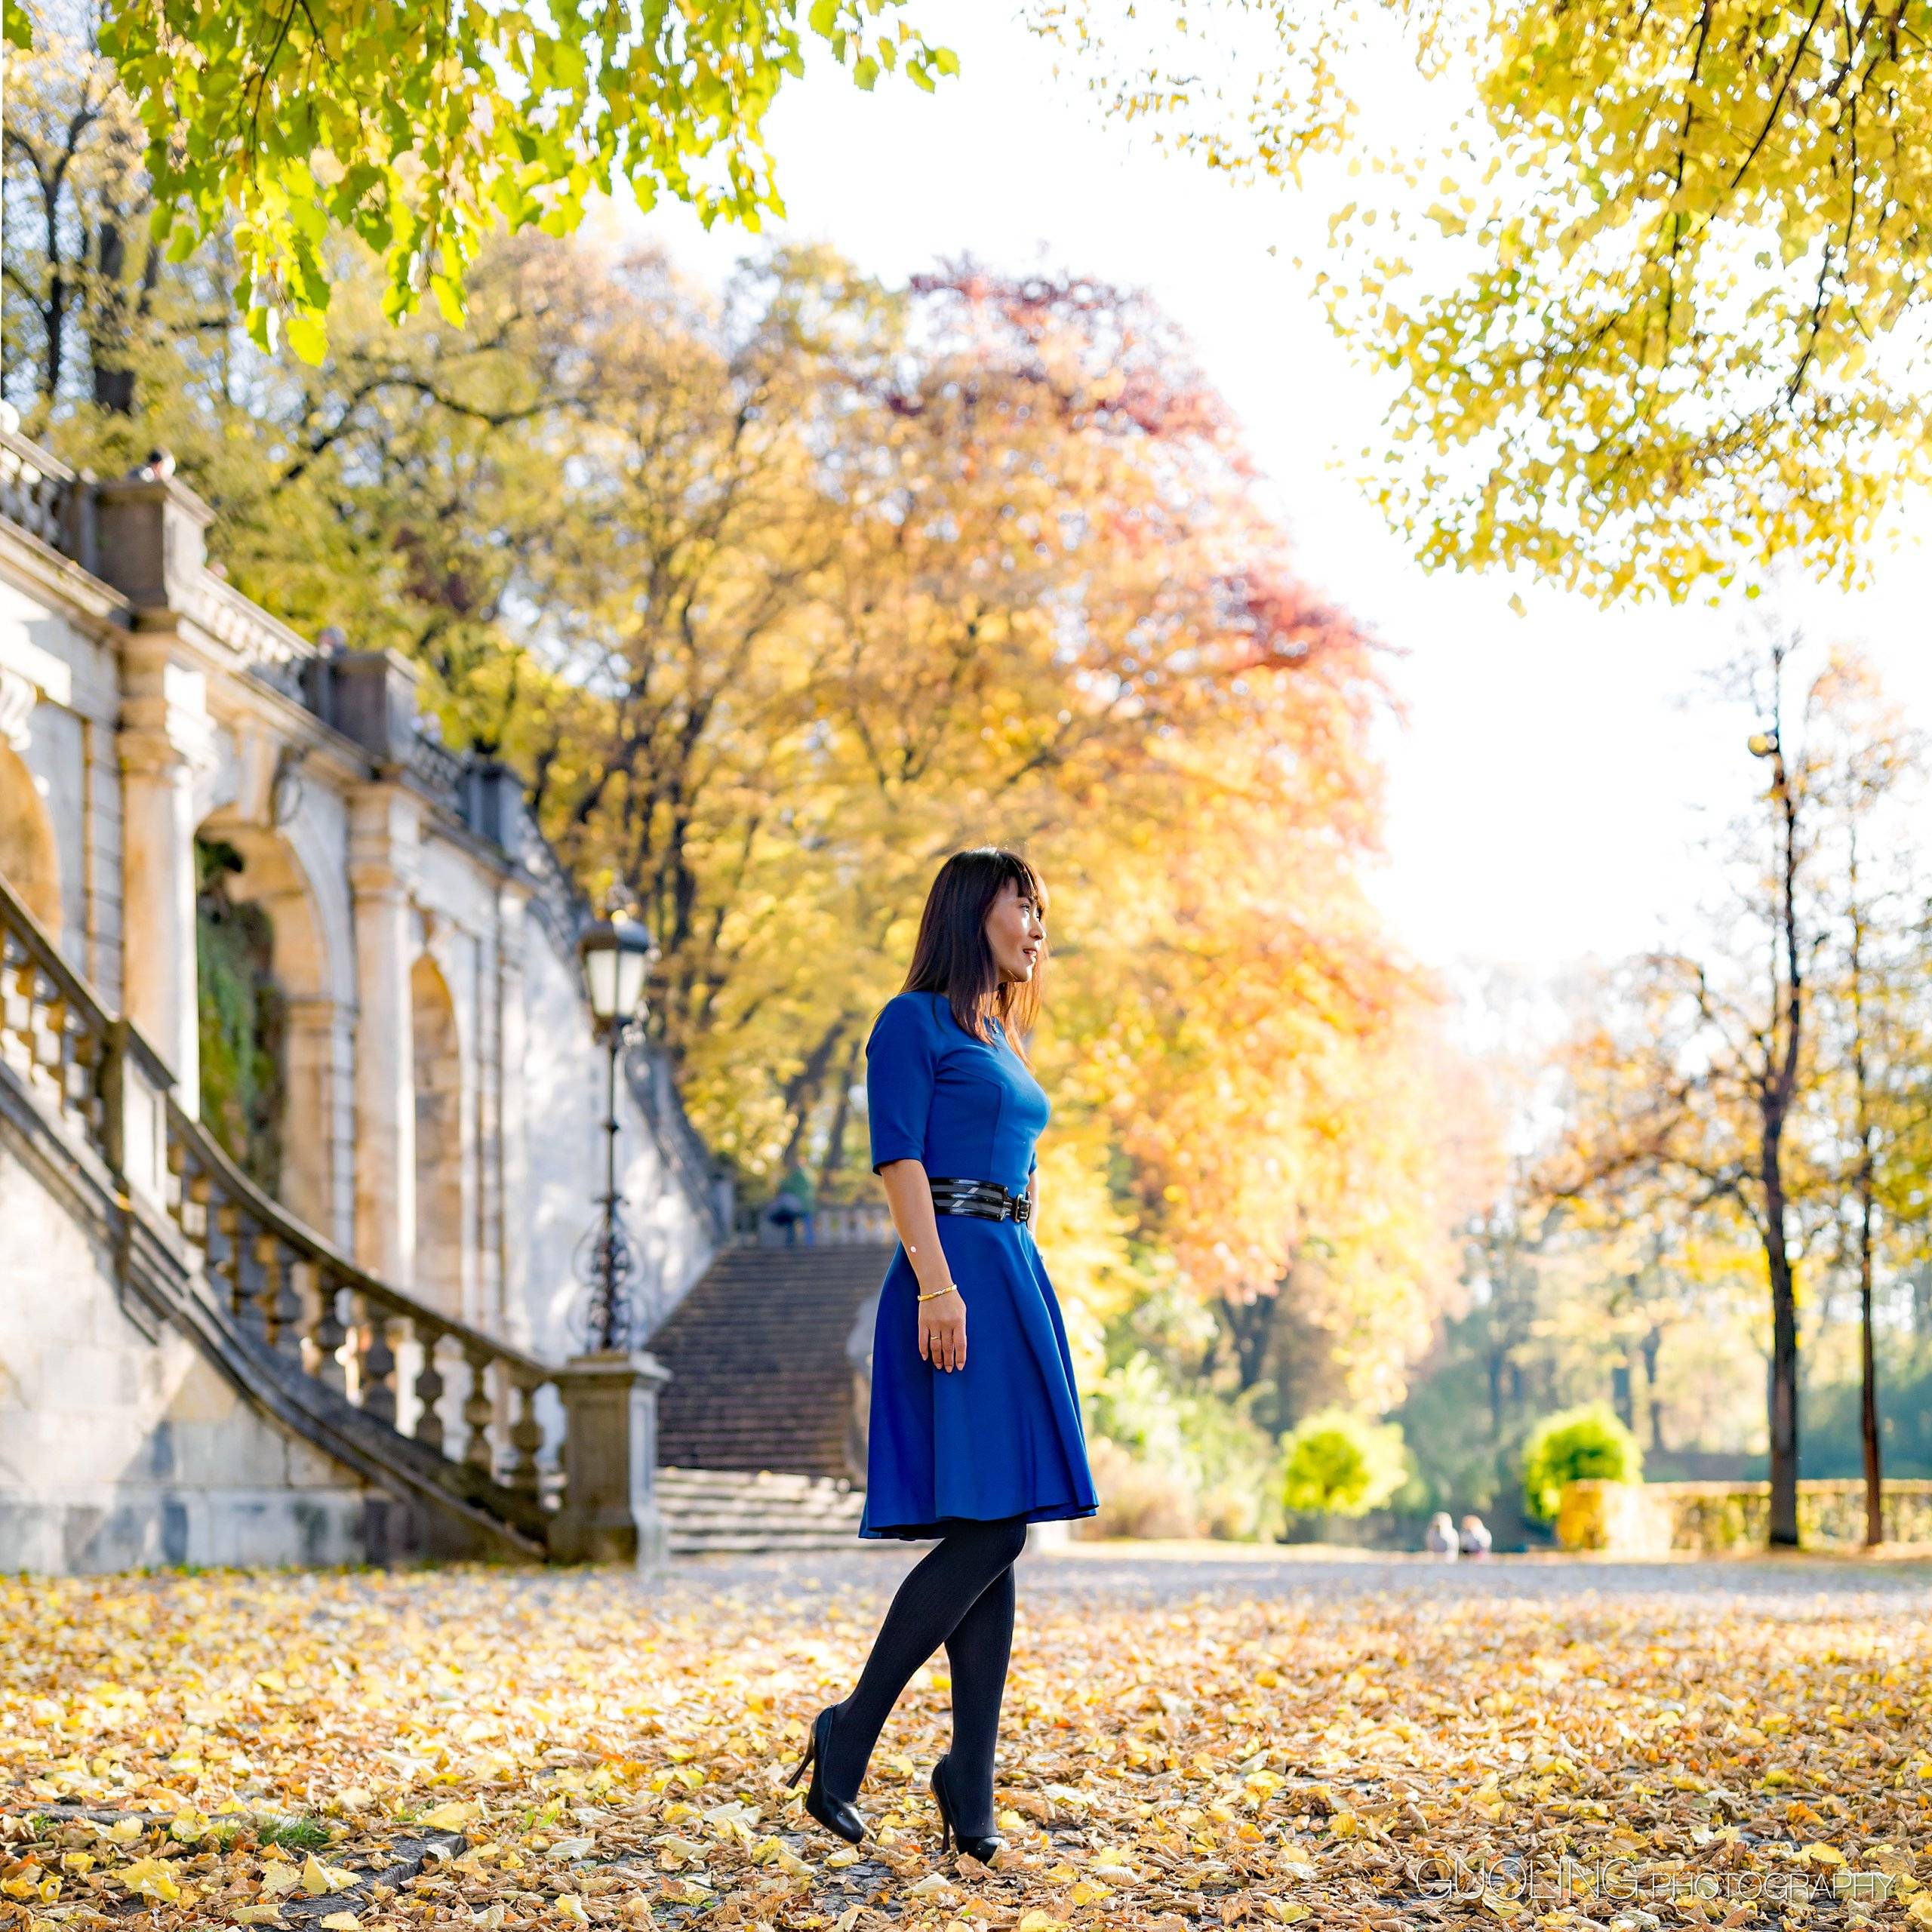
point(510, 1225)
point(165, 738)
point(384, 832)
point(610, 1512)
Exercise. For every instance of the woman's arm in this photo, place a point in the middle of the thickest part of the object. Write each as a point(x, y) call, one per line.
point(942, 1321)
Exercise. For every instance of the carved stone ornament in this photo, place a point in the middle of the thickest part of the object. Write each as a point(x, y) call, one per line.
point(18, 697)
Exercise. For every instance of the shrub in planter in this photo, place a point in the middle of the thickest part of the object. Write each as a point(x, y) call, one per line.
point(1339, 1464)
point(1577, 1444)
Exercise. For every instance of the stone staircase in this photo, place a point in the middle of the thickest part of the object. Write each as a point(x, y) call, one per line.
point(716, 1512)
point(488, 1450)
point(761, 1355)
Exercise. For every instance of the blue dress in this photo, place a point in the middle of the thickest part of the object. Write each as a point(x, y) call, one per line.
point(1002, 1436)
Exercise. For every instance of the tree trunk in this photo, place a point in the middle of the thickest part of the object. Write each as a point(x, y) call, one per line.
point(1784, 1370)
point(1867, 1404)
point(1652, 1344)
point(113, 374)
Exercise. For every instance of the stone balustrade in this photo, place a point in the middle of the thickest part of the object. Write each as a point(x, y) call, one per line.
point(835, 1224)
point(535, 1459)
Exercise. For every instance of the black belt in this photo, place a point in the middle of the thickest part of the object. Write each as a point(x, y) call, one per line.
point(985, 1199)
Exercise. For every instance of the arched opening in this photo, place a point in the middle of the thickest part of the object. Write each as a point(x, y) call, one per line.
point(244, 1017)
point(438, 1272)
point(273, 1026)
point(29, 860)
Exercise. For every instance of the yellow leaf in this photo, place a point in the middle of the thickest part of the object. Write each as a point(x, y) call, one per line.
point(1822, 1854)
point(1285, 1912)
point(279, 1880)
point(341, 1922)
point(571, 1907)
point(318, 1879)
point(258, 1915)
point(1040, 1921)
point(153, 1878)
point(448, 1817)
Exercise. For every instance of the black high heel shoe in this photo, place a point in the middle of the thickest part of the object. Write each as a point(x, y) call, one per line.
point(835, 1814)
point(985, 1849)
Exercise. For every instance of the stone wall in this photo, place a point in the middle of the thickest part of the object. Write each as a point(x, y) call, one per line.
point(119, 1446)
point(1709, 1518)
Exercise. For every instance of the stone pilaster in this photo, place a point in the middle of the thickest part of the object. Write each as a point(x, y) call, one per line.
point(164, 740)
point(385, 830)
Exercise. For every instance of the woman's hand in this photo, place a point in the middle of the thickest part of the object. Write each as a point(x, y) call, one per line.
point(943, 1331)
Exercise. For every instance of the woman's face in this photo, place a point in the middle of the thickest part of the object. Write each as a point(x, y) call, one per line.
point(1016, 932)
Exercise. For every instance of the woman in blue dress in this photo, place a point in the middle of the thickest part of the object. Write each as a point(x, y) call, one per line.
point(975, 1425)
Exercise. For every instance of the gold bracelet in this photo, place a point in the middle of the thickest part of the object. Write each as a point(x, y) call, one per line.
point(939, 1294)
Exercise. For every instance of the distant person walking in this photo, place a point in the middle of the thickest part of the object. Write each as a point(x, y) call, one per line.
point(1440, 1540)
point(1473, 1539)
point(967, 1448)
point(795, 1206)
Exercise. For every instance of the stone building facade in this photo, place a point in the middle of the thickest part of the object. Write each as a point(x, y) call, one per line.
point(439, 1088)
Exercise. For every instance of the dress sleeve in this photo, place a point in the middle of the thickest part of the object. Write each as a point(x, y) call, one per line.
point(899, 1062)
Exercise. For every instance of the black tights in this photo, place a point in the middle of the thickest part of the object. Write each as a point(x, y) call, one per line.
point(960, 1594)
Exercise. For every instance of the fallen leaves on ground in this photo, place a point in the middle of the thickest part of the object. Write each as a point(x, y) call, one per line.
point(495, 1750)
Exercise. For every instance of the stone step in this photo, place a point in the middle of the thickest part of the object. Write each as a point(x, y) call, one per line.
point(741, 1511)
point(760, 1378)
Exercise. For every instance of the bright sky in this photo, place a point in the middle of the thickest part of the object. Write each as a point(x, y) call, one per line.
point(1549, 786)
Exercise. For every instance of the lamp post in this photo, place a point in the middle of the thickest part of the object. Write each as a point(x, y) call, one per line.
point(617, 955)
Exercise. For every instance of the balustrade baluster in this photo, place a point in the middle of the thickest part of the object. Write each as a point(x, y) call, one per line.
point(526, 1434)
point(281, 1300)
point(52, 1030)
point(376, 1394)
point(224, 1258)
point(328, 1333)
point(479, 1411)
point(197, 1191)
point(430, 1386)
point(89, 1050)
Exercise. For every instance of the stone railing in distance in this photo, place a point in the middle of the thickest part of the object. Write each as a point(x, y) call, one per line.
point(36, 491)
point(841, 1224)
point(274, 651)
point(511, 1454)
point(1658, 1519)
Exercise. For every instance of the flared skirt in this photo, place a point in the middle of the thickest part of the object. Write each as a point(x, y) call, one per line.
point(1002, 1436)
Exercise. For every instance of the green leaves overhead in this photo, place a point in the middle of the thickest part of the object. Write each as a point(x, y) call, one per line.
point(418, 129)
point(1650, 277)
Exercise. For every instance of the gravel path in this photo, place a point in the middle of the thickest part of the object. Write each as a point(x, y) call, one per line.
point(1167, 1574)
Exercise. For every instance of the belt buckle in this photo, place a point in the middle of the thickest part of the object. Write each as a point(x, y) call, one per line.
point(1023, 1207)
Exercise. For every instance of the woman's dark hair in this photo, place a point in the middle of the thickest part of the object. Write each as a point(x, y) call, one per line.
point(951, 955)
